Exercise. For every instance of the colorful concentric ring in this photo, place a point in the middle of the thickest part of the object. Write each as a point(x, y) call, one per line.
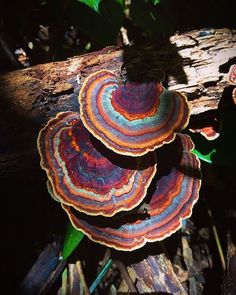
point(132, 119)
point(84, 175)
point(176, 192)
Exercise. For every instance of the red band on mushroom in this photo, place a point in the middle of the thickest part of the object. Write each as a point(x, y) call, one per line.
point(208, 132)
point(84, 175)
point(132, 119)
point(175, 192)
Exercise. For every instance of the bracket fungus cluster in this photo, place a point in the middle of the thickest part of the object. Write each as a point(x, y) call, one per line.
point(82, 177)
point(120, 167)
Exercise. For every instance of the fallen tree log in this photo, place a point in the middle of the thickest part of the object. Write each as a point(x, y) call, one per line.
point(196, 63)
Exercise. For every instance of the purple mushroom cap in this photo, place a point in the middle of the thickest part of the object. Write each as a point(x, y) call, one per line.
point(84, 175)
point(171, 200)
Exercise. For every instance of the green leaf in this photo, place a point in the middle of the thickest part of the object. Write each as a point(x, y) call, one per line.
point(155, 2)
point(100, 276)
point(64, 286)
point(101, 25)
point(72, 239)
point(207, 157)
point(94, 4)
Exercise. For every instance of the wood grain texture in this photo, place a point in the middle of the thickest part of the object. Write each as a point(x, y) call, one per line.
point(153, 275)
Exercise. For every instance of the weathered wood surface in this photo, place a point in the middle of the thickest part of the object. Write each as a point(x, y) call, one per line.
point(153, 275)
point(45, 271)
point(195, 63)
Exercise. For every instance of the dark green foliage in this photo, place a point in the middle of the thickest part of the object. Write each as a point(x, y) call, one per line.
point(72, 239)
point(152, 19)
point(59, 29)
point(101, 22)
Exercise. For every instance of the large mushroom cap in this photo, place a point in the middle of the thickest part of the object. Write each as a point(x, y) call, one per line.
point(82, 177)
point(132, 119)
point(175, 194)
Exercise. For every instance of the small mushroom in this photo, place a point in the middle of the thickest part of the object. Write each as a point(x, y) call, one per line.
point(208, 132)
point(132, 119)
point(232, 75)
point(175, 193)
point(209, 126)
point(232, 80)
point(84, 175)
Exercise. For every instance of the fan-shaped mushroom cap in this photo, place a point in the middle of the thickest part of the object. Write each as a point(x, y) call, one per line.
point(132, 119)
point(208, 126)
point(208, 132)
point(82, 177)
point(175, 193)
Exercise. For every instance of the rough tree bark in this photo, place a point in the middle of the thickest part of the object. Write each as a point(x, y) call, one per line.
point(195, 63)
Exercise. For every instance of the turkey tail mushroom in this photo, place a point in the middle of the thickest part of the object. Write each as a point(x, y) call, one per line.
point(132, 119)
